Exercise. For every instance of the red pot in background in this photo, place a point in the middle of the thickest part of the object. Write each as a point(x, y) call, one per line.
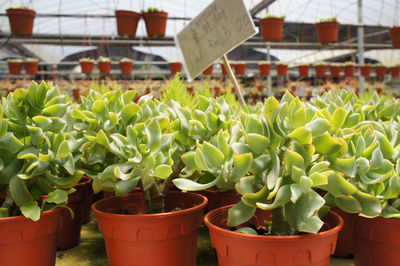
point(14, 68)
point(175, 67)
point(126, 67)
point(240, 69)
point(127, 22)
point(208, 70)
point(345, 245)
point(21, 21)
point(189, 89)
point(25, 242)
point(264, 69)
point(216, 91)
point(86, 66)
point(327, 31)
point(156, 23)
point(87, 202)
point(380, 71)
point(303, 70)
point(320, 70)
point(76, 94)
point(334, 70)
point(379, 90)
point(167, 239)
point(224, 71)
point(271, 29)
point(395, 71)
point(233, 90)
point(349, 71)
point(395, 36)
point(31, 67)
point(365, 70)
point(218, 199)
point(260, 88)
point(104, 67)
point(237, 249)
point(281, 69)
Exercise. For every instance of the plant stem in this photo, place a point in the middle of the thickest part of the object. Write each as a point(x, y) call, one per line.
point(146, 195)
point(157, 200)
point(175, 174)
point(279, 224)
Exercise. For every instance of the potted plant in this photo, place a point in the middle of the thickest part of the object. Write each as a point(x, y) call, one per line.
point(395, 71)
point(349, 68)
point(240, 68)
point(224, 70)
point(208, 70)
point(303, 69)
point(281, 68)
point(334, 70)
point(127, 22)
point(14, 66)
point(380, 70)
point(264, 67)
point(320, 69)
point(156, 22)
point(395, 36)
point(271, 27)
point(104, 64)
point(327, 29)
point(31, 66)
point(126, 66)
point(365, 70)
point(21, 20)
point(38, 170)
point(86, 65)
point(175, 67)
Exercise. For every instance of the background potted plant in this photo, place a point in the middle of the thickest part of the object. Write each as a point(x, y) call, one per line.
point(349, 68)
point(271, 27)
point(320, 69)
point(208, 70)
point(86, 65)
point(240, 68)
point(21, 20)
point(365, 70)
point(327, 29)
point(380, 70)
point(281, 68)
point(127, 22)
point(104, 64)
point(14, 66)
point(395, 36)
point(335, 69)
point(264, 67)
point(224, 70)
point(303, 69)
point(175, 67)
point(126, 66)
point(156, 22)
point(395, 71)
point(31, 66)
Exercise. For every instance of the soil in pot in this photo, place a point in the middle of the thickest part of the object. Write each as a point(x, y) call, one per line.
point(25, 242)
point(168, 239)
point(156, 23)
point(264, 69)
point(126, 67)
point(21, 21)
point(127, 22)
point(14, 68)
point(327, 31)
point(237, 249)
point(271, 29)
point(31, 68)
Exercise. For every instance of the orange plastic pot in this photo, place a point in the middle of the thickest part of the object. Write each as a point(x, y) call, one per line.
point(349, 70)
point(156, 23)
point(264, 69)
point(380, 71)
point(281, 70)
point(208, 70)
point(86, 66)
point(25, 242)
point(395, 36)
point(175, 67)
point(327, 31)
point(168, 239)
point(395, 71)
point(303, 70)
point(126, 67)
point(271, 29)
point(260, 88)
point(14, 68)
point(320, 70)
point(189, 89)
point(31, 67)
point(87, 202)
point(76, 94)
point(345, 245)
point(334, 70)
point(237, 249)
point(218, 199)
point(69, 231)
point(104, 67)
point(216, 91)
point(240, 69)
point(365, 70)
point(127, 22)
point(376, 241)
point(21, 21)
point(224, 70)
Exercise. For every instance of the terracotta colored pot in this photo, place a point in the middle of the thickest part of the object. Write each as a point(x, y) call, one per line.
point(303, 70)
point(216, 91)
point(31, 67)
point(395, 71)
point(224, 70)
point(334, 70)
point(14, 68)
point(86, 66)
point(237, 249)
point(365, 70)
point(21, 21)
point(189, 89)
point(327, 31)
point(281, 70)
point(376, 241)
point(126, 67)
point(208, 70)
point(25, 242)
point(168, 239)
point(104, 67)
point(271, 29)
point(87, 202)
point(260, 88)
point(349, 70)
point(127, 22)
point(219, 199)
point(345, 245)
point(380, 71)
point(175, 67)
point(395, 36)
point(240, 69)
point(156, 23)
point(69, 230)
point(379, 90)
point(320, 70)
point(76, 94)
point(264, 69)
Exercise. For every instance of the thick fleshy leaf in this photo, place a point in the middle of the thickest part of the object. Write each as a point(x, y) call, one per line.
point(302, 135)
point(57, 196)
point(338, 118)
point(251, 199)
point(273, 175)
point(153, 132)
point(19, 191)
point(347, 166)
point(319, 167)
point(326, 144)
point(240, 213)
point(163, 171)
point(189, 185)
point(293, 159)
point(370, 205)
point(212, 155)
point(246, 230)
point(318, 126)
point(254, 125)
point(257, 143)
point(282, 197)
point(123, 187)
point(31, 210)
point(242, 164)
point(348, 203)
point(63, 150)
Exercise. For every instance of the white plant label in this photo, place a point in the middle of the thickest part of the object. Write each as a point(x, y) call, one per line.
point(222, 26)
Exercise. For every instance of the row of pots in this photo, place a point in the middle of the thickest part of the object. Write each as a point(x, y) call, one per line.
point(15, 67)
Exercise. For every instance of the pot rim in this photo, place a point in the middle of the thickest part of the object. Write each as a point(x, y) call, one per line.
point(21, 217)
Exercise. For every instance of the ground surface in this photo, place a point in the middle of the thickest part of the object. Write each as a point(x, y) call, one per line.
point(91, 250)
